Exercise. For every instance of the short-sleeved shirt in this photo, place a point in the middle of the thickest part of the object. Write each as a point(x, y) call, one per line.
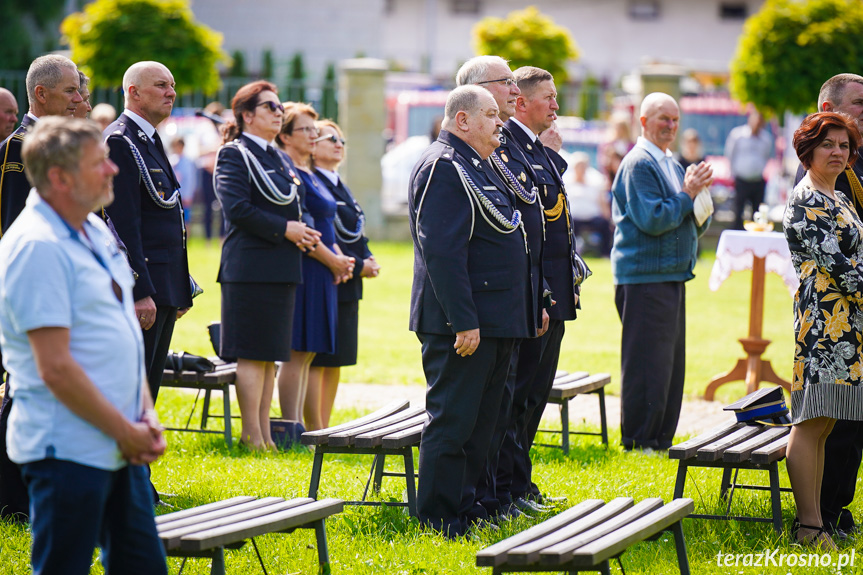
point(53, 276)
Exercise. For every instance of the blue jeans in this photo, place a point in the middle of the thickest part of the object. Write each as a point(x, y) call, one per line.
point(74, 508)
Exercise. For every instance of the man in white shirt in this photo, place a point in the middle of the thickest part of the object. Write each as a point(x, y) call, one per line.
point(748, 149)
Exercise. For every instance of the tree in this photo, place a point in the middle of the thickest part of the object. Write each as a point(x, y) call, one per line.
point(329, 102)
point(296, 80)
point(238, 65)
point(110, 35)
point(789, 48)
point(19, 22)
point(268, 65)
point(527, 38)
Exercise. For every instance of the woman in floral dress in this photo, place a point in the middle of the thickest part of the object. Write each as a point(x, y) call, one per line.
point(825, 237)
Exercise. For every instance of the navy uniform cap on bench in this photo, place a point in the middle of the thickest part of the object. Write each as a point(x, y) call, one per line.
point(765, 406)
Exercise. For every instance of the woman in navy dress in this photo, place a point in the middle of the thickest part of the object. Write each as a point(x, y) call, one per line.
point(329, 153)
point(315, 313)
point(261, 256)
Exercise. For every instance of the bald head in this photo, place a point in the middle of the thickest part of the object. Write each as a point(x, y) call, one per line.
point(8, 113)
point(660, 118)
point(471, 114)
point(149, 90)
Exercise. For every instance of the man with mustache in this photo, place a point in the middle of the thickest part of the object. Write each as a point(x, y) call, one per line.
point(469, 302)
point(653, 256)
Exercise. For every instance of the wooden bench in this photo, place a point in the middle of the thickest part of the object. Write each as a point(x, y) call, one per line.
point(731, 447)
point(565, 387)
point(587, 536)
point(221, 380)
point(395, 429)
point(207, 530)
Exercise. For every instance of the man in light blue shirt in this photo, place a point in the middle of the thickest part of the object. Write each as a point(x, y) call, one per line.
point(82, 423)
point(748, 149)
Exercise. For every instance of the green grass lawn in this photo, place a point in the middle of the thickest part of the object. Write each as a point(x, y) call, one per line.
point(200, 469)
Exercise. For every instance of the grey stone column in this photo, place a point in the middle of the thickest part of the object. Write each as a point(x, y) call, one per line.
point(362, 116)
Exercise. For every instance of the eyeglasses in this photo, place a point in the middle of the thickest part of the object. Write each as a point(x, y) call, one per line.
point(273, 106)
point(505, 81)
point(332, 138)
point(308, 129)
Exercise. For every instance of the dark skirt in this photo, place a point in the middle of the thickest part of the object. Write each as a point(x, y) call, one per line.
point(346, 338)
point(257, 320)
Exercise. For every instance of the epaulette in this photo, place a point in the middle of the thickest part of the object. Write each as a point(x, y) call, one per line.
point(17, 136)
point(448, 153)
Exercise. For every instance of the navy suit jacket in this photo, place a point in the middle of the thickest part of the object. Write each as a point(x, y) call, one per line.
point(154, 236)
point(348, 212)
point(512, 156)
point(14, 187)
point(255, 249)
point(557, 252)
point(467, 275)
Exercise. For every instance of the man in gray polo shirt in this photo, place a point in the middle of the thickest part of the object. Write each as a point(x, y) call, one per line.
point(82, 423)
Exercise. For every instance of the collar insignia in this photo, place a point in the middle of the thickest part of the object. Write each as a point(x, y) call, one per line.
point(529, 147)
point(475, 162)
point(142, 136)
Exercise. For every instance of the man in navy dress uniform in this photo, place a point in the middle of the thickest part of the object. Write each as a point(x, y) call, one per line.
point(52, 90)
point(469, 302)
point(510, 163)
point(147, 212)
point(535, 114)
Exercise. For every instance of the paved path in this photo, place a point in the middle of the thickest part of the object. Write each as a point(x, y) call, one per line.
point(697, 415)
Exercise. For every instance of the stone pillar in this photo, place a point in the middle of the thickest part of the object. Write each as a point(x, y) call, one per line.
point(362, 117)
point(660, 78)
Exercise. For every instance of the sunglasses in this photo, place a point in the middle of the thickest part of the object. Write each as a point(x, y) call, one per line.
point(309, 129)
point(505, 81)
point(273, 106)
point(332, 138)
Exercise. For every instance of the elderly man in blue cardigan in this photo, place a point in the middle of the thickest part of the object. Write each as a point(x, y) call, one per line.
point(653, 256)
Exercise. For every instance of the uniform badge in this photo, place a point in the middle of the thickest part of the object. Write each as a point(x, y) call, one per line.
point(529, 147)
point(297, 181)
point(523, 177)
point(13, 167)
point(503, 157)
point(475, 162)
point(142, 136)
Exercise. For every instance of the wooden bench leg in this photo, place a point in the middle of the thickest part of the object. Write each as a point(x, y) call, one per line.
point(564, 423)
point(226, 410)
point(323, 552)
point(316, 474)
point(379, 472)
point(726, 483)
point(604, 568)
point(775, 497)
point(680, 547)
point(680, 483)
point(206, 414)
point(218, 566)
point(410, 481)
point(603, 422)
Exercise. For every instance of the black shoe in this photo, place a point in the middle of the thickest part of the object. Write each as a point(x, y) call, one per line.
point(529, 506)
point(846, 522)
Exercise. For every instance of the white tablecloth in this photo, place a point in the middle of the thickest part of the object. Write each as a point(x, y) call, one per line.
point(737, 248)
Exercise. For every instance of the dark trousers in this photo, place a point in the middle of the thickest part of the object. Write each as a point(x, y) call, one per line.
point(463, 397)
point(157, 342)
point(745, 192)
point(652, 362)
point(74, 508)
point(13, 493)
point(533, 382)
point(842, 455)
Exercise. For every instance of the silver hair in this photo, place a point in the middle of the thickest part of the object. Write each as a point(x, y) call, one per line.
point(47, 71)
point(463, 99)
point(834, 89)
point(474, 70)
point(56, 141)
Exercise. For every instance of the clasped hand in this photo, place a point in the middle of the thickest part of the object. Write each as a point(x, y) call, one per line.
point(697, 178)
point(144, 443)
point(305, 237)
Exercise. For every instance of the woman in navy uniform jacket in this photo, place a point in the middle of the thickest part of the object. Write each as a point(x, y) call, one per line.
point(329, 153)
point(261, 257)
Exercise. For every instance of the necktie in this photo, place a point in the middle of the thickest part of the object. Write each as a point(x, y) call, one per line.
point(159, 146)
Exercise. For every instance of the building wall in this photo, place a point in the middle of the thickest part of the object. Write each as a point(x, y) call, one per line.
point(426, 35)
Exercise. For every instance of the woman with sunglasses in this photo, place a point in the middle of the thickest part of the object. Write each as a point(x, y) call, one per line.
point(349, 219)
point(324, 268)
point(261, 256)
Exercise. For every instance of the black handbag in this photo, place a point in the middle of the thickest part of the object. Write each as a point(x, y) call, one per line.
point(182, 361)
